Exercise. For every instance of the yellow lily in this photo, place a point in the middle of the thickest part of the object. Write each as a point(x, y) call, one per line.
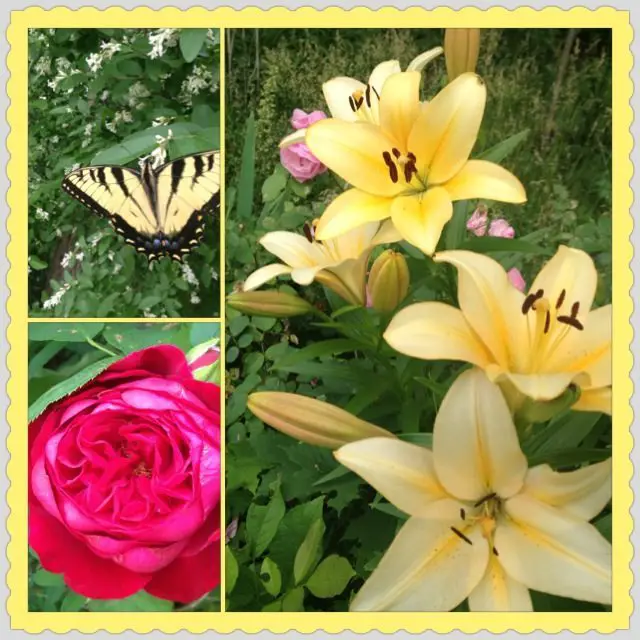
point(340, 263)
point(482, 525)
point(535, 345)
point(350, 100)
point(414, 165)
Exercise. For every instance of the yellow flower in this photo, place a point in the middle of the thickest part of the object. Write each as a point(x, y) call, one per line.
point(350, 100)
point(483, 526)
point(535, 345)
point(414, 164)
point(461, 48)
point(339, 264)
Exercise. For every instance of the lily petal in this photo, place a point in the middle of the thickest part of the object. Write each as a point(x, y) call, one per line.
point(444, 134)
point(293, 249)
point(381, 72)
point(426, 568)
point(554, 552)
point(594, 400)
point(387, 233)
point(475, 444)
point(400, 105)
point(498, 592)
point(402, 472)
point(354, 150)
point(421, 61)
point(349, 210)
point(352, 273)
point(571, 271)
point(435, 331)
point(336, 94)
point(482, 179)
point(306, 275)
point(264, 274)
point(583, 493)
point(420, 219)
point(492, 306)
point(293, 138)
point(588, 350)
point(541, 386)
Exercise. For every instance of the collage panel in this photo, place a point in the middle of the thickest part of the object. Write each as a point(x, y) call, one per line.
point(418, 320)
point(124, 467)
point(124, 172)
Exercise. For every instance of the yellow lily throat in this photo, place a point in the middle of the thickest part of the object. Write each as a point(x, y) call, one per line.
point(548, 319)
point(361, 103)
point(487, 510)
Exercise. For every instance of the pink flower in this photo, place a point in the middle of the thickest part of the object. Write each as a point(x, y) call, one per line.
point(124, 481)
point(500, 228)
point(516, 279)
point(477, 223)
point(298, 160)
point(301, 120)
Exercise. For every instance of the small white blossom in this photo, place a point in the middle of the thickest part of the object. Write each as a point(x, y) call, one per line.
point(55, 139)
point(94, 62)
point(147, 313)
point(200, 79)
point(135, 93)
point(214, 274)
point(43, 66)
point(161, 121)
point(80, 256)
point(41, 214)
point(55, 299)
point(72, 168)
point(162, 40)
point(188, 276)
point(195, 298)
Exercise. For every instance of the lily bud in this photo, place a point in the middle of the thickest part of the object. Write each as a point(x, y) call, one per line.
point(310, 420)
point(388, 281)
point(273, 304)
point(535, 411)
point(461, 48)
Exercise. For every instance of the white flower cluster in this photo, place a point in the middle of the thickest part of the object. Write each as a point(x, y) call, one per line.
point(41, 214)
point(55, 299)
point(159, 154)
point(135, 93)
point(201, 78)
point(120, 116)
point(107, 51)
point(88, 130)
point(161, 40)
point(71, 168)
point(64, 69)
point(43, 66)
point(162, 121)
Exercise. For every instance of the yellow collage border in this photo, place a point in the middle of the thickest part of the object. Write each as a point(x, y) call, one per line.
point(334, 17)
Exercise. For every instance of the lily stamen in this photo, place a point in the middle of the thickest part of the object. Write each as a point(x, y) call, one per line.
point(488, 497)
point(461, 535)
point(560, 300)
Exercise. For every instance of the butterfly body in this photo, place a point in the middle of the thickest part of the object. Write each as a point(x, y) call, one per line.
point(161, 212)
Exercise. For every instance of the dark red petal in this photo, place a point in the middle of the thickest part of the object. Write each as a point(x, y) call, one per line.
point(84, 572)
point(188, 578)
point(163, 359)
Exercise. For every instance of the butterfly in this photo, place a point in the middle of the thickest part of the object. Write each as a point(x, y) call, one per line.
point(162, 211)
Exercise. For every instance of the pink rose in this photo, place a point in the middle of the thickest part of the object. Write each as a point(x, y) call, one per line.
point(477, 223)
point(500, 228)
point(124, 484)
point(516, 279)
point(301, 120)
point(298, 160)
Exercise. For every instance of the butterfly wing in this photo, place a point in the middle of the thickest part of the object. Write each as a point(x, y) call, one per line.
point(188, 190)
point(118, 194)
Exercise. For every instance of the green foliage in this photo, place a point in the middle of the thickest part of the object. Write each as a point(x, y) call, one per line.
point(81, 351)
point(305, 524)
point(102, 96)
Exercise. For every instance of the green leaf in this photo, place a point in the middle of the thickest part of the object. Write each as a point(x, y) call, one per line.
point(604, 526)
point(270, 577)
point(76, 332)
point(244, 205)
point(501, 150)
point(36, 264)
point(315, 350)
point(456, 229)
point(68, 386)
point(294, 600)
point(141, 601)
point(274, 185)
point(263, 521)
point(569, 458)
point(309, 552)
point(331, 577)
point(493, 245)
point(73, 602)
point(231, 570)
point(191, 41)
point(45, 578)
point(422, 439)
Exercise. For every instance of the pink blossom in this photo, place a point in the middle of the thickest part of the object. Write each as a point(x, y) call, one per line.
point(477, 223)
point(500, 228)
point(516, 279)
point(301, 120)
point(298, 160)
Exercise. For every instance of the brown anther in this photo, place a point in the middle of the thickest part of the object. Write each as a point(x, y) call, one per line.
point(409, 170)
point(495, 552)
point(547, 322)
point(352, 104)
point(308, 232)
point(560, 300)
point(367, 96)
point(489, 496)
point(571, 321)
point(528, 303)
point(393, 170)
point(463, 514)
point(461, 535)
point(396, 153)
point(359, 101)
point(374, 91)
point(575, 307)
